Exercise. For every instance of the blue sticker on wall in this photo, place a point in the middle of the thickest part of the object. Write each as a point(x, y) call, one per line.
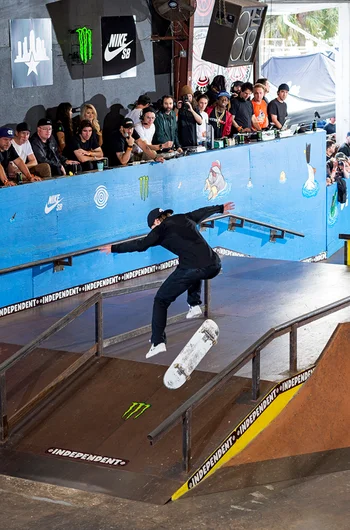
point(311, 186)
point(216, 185)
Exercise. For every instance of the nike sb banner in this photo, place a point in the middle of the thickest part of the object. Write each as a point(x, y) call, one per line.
point(118, 47)
point(31, 52)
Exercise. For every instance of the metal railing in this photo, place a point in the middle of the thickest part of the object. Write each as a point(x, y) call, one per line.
point(184, 412)
point(67, 259)
point(7, 424)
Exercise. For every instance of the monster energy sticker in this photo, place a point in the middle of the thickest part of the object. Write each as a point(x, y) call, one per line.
point(144, 187)
point(135, 410)
point(85, 44)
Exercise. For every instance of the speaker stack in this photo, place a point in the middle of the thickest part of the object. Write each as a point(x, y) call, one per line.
point(234, 32)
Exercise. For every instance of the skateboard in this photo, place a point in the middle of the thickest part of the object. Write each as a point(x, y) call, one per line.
point(191, 355)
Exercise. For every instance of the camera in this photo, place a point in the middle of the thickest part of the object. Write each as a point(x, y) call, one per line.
point(185, 98)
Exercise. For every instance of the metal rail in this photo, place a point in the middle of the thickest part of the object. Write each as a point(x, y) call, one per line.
point(96, 300)
point(62, 260)
point(184, 412)
point(276, 232)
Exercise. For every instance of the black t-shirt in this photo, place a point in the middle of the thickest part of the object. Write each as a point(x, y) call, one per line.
point(7, 156)
point(186, 127)
point(242, 110)
point(279, 109)
point(77, 143)
point(179, 234)
point(218, 125)
point(117, 144)
point(330, 128)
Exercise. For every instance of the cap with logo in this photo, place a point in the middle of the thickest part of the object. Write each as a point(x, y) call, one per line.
point(128, 123)
point(44, 121)
point(5, 132)
point(283, 86)
point(223, 93)
point(154, 214)
point(23, 127)
point(348, 134)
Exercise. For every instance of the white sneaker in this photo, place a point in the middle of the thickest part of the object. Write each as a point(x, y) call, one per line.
point(194, 311)
point(154, 350)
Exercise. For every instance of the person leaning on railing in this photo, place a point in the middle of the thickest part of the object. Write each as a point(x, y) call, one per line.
point(9, 154)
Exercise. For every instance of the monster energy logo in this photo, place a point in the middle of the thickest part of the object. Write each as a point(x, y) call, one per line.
point(135, 409)
point(143, 187)
point(85, 43)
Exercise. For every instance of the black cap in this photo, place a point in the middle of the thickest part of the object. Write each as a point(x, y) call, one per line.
point(128, 123)
point(283, 86)
point(23, 127)
point(44, 121)
point(154, 214)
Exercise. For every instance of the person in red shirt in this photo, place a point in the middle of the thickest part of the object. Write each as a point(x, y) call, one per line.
point(219, 116)
point(259, 106)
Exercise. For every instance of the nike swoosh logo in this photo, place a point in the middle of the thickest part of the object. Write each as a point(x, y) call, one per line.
point(110, 55)
point(49, 208)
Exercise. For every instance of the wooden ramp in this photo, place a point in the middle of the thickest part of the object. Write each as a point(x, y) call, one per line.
point(93, 434)
point(309, 434)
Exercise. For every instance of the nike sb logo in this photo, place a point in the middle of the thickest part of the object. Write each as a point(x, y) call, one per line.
point(118, 41)
point(54, 201)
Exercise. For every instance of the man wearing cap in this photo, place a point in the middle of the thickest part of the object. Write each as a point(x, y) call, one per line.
point(197, 261)
point(120, 146)
point(46, 150)
point(219, 117)
point(345, 147)
point(24, 149)
point(277, 108)
point(188, 118)
point(243, 118)
point(9, 154)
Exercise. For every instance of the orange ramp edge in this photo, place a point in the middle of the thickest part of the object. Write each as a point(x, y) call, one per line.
point(316, 420)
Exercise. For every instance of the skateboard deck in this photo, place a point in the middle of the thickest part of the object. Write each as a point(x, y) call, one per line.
point(191, 355)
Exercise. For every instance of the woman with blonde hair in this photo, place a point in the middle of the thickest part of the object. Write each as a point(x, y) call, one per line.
point(88, 112)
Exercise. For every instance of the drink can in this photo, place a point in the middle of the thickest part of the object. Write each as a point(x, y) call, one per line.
point(259, 136)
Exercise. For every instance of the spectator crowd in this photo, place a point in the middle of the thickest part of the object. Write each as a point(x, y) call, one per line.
point(69, 145)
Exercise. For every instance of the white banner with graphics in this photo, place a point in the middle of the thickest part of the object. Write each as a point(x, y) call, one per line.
point(31, 52)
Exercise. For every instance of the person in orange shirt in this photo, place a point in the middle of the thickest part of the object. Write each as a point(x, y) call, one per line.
point(259, 105)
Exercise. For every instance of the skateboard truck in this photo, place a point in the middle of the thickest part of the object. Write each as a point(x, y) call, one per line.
point(182, 371)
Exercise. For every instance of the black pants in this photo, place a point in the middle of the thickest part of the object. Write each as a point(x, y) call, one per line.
point(178, 282)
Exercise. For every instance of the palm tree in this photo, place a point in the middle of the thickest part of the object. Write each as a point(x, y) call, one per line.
point(322, 24)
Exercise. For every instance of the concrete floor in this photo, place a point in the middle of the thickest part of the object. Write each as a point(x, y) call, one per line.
point(319, 503)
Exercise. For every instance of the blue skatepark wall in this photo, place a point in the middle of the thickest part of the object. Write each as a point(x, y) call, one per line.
point(269, 181)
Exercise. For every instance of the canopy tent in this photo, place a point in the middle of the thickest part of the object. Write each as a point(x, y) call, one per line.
point(311, 79)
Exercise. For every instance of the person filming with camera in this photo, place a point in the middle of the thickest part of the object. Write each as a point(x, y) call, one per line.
point(188, 118)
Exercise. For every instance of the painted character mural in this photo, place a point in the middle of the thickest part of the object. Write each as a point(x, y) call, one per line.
point(216, 184)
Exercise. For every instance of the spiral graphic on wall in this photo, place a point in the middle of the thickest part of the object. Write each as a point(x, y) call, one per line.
point(101, 197)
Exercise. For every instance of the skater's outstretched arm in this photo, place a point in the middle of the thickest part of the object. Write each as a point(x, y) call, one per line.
point(198, 215)
point(138, 245)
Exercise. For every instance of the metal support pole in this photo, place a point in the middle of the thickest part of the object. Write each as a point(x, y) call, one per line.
point(256, 375)
point(99, 326)
point(293, 348)
point(3, 409)
point(186, 440)
point(206, 298)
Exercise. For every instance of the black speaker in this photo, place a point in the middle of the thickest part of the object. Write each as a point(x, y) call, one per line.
point(234, 32)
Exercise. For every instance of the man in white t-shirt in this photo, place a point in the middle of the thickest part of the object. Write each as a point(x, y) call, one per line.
point(135, 115)
point(202, 128)
point(24, 149)
point(146, 130)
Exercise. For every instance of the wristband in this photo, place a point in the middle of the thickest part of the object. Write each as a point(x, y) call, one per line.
point(239, 129)
point(129, 147)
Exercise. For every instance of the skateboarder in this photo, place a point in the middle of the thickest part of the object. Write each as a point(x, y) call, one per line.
point(197, 261)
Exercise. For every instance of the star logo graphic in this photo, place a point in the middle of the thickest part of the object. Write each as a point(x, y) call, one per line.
point(32, 64)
